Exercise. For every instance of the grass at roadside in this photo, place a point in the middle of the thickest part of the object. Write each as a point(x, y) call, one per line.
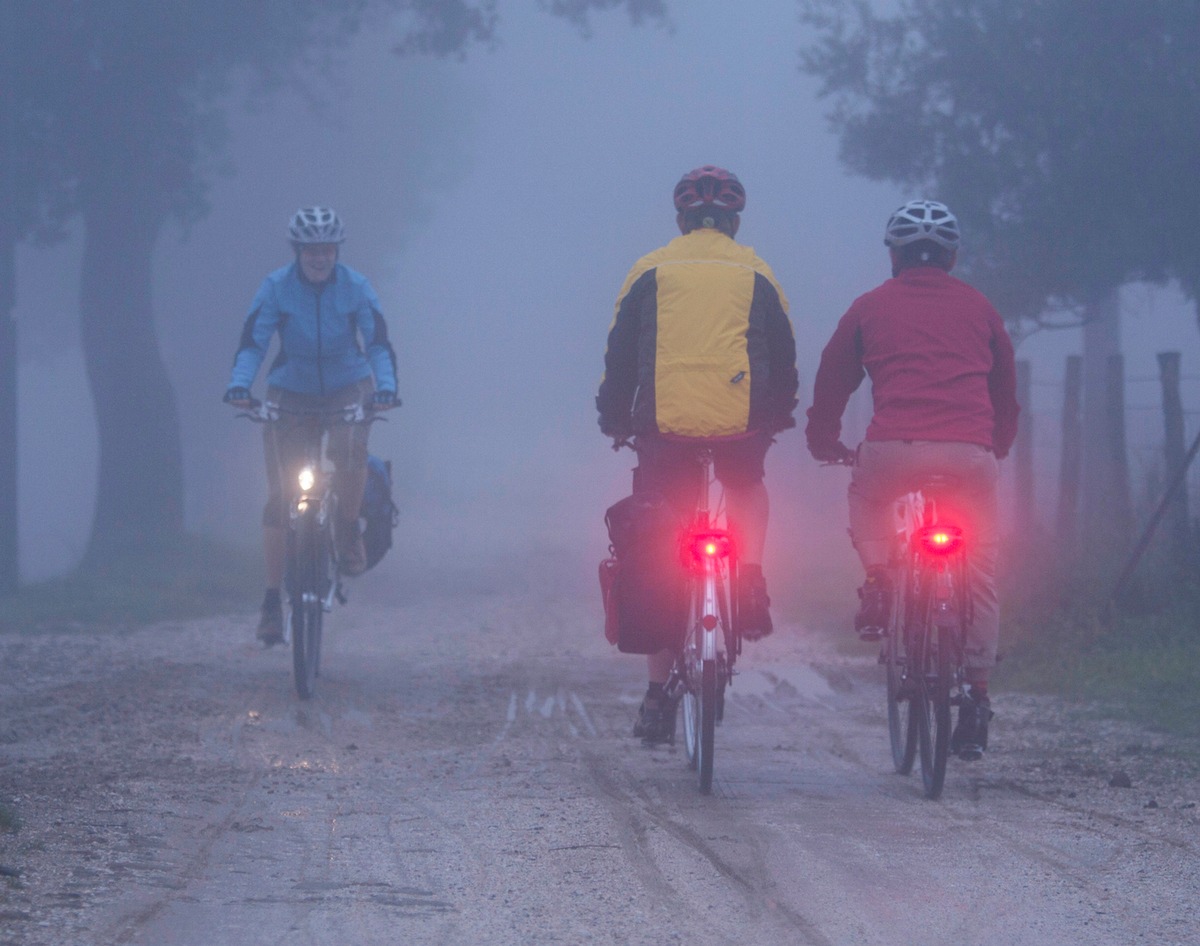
point(1144, 666)
point(195, 578)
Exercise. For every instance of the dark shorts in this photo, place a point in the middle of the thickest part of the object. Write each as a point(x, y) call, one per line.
point(285, 440)
point(671, 467)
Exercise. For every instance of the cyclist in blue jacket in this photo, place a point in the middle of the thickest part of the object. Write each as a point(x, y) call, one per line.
point(333, 352)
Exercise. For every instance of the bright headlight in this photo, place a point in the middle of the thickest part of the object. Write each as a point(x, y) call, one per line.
point(306, 479)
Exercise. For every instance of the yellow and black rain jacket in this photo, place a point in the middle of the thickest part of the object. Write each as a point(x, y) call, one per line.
point(701, 345)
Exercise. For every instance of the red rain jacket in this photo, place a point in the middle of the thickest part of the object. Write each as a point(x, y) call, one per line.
point(940, 361)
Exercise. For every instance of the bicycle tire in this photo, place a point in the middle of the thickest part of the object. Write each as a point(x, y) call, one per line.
point(901, 711)
point(306, 644)
point(689, 666)
point(729, 634)
point(311, 569)
point(934, 718)
point(691, 714)
point(708, 724)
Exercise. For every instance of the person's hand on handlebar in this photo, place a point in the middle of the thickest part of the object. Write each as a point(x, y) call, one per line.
point(241, 398)
point(621, 432)
point(384, 401)
point(835, 452)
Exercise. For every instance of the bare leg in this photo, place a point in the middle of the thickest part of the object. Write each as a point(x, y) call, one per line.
point(275, 549)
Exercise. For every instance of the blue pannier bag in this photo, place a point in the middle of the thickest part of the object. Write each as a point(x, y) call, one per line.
point(378, 512)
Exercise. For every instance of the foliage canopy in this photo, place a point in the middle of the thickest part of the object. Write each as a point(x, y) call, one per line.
point(1066, 135)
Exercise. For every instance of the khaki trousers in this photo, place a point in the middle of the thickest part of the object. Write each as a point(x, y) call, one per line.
point(887, 469)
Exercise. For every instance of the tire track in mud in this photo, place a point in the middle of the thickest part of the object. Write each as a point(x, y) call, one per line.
point(495, 787)
point(629, 805)
point(1104, 842)
point(269, 735)
point(1110, 819)
point(128, 927)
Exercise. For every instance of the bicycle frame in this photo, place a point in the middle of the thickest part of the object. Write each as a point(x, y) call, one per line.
point(311, 512)
point(310, 573)
point(925, 665)
point(703, 666)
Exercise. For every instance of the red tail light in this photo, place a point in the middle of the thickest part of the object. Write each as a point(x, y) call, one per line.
point(705, 546)
point(940, 540)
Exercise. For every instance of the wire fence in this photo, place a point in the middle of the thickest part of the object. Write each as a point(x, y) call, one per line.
point(1145, 437)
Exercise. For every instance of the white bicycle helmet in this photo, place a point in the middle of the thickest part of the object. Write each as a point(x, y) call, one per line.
point(922, 220)
point(315, 225)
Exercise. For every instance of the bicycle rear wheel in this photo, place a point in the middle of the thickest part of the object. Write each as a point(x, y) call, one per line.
point(708, 724)
point(934, 713)
point(691, 706)
point(901, 709)
point(701, 703)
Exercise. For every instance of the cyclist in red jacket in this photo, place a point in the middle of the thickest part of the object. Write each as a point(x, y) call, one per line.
point(943, 383)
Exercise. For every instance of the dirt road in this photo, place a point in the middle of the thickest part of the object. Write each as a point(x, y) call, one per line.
point(466, 776)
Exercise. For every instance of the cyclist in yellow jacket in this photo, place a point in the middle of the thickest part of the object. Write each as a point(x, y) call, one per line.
point(701, 351)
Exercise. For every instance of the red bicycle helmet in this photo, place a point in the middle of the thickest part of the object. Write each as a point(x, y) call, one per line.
point(710, 186)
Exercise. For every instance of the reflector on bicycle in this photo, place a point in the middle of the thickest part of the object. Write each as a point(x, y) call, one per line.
point(704, 546)
point(940, 540)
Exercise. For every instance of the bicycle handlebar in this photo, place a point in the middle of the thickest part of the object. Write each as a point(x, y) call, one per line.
point(268, 413)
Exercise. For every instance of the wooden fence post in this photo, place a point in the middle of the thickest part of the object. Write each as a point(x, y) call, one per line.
point(1026, 517)
point(1178, 528)
point(1120, 498)
point(1072, 460)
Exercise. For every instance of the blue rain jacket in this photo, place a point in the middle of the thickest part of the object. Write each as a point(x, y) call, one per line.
point(331, 335)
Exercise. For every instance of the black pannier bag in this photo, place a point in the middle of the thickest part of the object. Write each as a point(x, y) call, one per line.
point(645, 589)
point(378, 512)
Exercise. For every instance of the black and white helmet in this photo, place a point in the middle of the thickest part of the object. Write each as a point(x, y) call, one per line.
point(315, 225)
point(922, 220)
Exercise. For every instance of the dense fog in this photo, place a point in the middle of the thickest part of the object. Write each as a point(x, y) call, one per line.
point(496, 203)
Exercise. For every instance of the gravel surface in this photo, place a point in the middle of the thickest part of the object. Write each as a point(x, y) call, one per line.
point(465, 775)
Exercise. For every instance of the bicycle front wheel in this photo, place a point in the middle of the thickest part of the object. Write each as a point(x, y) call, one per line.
point(934, 718)
point(307, 618)
point(309, 576)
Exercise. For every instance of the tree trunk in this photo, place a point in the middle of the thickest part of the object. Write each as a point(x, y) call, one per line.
point(139, 497)
point(9, 547)
point(1072, 456)
point(10, 575)
point(1178, 528)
